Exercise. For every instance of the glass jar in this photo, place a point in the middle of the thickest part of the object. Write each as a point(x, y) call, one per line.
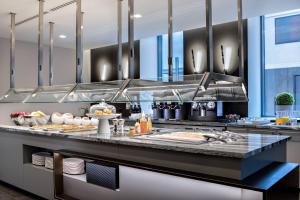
point(282, 117)
point(103, 108)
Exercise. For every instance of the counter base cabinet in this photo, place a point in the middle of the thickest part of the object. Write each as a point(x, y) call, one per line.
point(15, 169)
point(293, 151)
point(11, 160)
point(148, 185)
point(38, 180)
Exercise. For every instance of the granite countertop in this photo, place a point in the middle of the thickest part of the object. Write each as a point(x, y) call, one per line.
point(221, 124)
point(271, 126)
point(251, 145)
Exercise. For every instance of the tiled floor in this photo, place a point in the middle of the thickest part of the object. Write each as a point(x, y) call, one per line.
point(10, 193)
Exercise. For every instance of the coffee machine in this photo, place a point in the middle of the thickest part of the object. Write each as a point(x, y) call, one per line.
point(204, 111)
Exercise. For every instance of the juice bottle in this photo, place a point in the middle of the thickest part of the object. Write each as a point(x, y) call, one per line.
point(149, 124)
point(137, 127)
point(143, 123)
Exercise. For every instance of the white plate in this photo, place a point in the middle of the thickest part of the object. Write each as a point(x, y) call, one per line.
point(73, 166)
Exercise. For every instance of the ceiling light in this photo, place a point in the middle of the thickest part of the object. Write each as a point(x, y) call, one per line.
point(137, 16)
point(62, 36)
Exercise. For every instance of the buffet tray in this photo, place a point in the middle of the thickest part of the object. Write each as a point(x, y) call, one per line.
point(168, 137)
point(65, 128)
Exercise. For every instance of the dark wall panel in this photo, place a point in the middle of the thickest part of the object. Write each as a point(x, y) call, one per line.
point(225, 35)
point(195, 54)
point(104, 62)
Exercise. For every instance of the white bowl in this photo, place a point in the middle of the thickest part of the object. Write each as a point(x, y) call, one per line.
point(94, 121)
point(86, 121)
point(57, 118)
point(67, 115)
point(69, 121)
point(77, 121)
point(42, 120)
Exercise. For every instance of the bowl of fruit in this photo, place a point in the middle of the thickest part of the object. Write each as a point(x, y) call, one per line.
point(18, 118)
point(39, 118)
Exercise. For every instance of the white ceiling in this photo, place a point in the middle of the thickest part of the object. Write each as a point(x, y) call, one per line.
point(100, 18)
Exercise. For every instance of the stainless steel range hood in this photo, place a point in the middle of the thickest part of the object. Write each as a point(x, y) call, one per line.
point(220, 87)
point(209, 86)
point(198, 87)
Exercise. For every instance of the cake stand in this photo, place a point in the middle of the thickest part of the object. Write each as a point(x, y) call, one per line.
point(103, 125)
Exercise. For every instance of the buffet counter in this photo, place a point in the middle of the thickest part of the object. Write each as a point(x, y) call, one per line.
point(270, 126)
point(250, 145)
point(138, 159)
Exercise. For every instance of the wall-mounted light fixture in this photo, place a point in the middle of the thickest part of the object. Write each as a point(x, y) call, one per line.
point(103, 72)
point(62, 36)
point(125, 70)
point(226, 57)
point(137, 16)
point(197, 61)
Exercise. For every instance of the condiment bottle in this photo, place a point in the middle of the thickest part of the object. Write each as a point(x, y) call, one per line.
point(137, 127)
point(155, 110)
point(166, 112)
point(178, 115)
point(143, 124)
point(135, 109)
point(149, 124)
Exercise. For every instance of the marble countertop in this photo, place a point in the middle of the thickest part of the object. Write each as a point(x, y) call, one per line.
point(270, 126)
point(252, 144)
point(220, 124)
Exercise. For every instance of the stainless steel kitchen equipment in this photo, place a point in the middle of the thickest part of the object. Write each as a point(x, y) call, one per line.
point(209, 86)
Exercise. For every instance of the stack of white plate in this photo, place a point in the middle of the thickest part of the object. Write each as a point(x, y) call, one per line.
point(39, 158)
point(73, 166)
point(49, 162)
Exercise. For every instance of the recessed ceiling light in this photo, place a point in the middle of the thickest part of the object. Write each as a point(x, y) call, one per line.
point(62, 36)
point(137, 16)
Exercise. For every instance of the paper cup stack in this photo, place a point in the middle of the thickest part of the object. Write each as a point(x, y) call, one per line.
point(73, 166)
point(39, 158)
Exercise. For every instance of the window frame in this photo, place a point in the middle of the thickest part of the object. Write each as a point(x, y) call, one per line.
point(263, 64)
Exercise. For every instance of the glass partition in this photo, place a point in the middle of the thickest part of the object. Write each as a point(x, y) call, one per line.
point(220, 87)
point(50, 94)
point(16, 95)
point(95, 92)
point(158, 91)
point(147, 91)
point(226, 92)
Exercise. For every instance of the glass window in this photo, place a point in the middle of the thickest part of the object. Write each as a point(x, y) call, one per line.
point(177, 55)
point(281, 69)
point(287, 29)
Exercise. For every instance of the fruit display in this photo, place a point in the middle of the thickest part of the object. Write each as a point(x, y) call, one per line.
point(29, 119)
point(38, 114)
point(17, 114)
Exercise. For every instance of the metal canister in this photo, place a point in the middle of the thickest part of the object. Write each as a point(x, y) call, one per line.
point(115, 127)
point(121, 123)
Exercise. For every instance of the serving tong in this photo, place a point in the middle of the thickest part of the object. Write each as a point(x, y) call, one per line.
point(224, 137)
